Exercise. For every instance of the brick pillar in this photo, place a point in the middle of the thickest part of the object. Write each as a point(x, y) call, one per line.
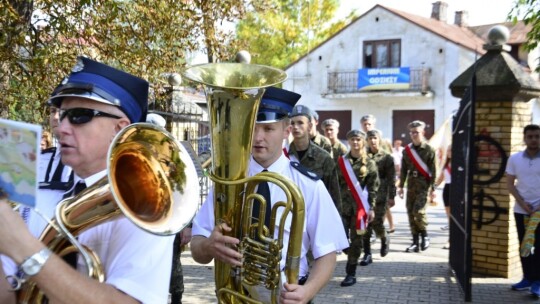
point(503, 92)
point(495, 246)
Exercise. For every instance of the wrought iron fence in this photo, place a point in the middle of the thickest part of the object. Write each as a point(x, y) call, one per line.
point(188, 123)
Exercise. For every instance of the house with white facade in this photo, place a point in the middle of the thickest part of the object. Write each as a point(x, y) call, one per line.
point(394, 65)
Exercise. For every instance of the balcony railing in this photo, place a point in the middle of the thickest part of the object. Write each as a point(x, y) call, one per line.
point(347, 81)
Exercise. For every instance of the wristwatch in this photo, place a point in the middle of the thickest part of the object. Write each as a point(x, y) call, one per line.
point(33, 264)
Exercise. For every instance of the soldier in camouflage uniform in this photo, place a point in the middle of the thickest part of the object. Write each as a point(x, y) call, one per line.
point(311, 156)
point(365, 170)
point(385, 195)
point(317, 137)
point(368, 123)
point(419, 186)
point(331, 131)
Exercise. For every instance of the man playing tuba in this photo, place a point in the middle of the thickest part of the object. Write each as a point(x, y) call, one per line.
point(96, 102)
point(271, 128)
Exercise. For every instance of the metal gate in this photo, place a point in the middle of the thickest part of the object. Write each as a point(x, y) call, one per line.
point(188, 123)
point(461, 191)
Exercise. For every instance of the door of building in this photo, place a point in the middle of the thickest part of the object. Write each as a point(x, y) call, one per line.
point(344, 118)
point(401, 118)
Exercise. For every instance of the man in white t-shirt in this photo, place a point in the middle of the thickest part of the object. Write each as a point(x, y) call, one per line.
point(522, 181)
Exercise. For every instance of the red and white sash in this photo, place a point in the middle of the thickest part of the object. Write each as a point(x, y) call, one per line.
point(360, 195)
point(419, 164)
point(291, 157)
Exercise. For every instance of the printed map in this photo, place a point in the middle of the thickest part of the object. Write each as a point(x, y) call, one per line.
point(19, 150)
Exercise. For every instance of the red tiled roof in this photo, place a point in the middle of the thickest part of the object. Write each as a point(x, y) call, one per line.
point(518, 31)
point(459, 35)
point(472, 38)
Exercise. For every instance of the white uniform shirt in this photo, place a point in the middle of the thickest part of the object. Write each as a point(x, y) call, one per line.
point(397, 155)
point(527, 173)
point(323, 231)
point(134, 261)
point(45, 197)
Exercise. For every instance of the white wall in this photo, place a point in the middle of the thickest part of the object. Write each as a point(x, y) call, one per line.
point(419, 47)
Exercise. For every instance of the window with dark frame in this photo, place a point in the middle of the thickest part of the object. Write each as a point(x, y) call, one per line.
point(382, 53)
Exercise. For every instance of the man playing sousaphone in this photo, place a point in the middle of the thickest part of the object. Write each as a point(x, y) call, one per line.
point(209, 241)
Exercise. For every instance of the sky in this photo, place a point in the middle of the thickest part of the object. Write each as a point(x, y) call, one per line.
point(497, 10)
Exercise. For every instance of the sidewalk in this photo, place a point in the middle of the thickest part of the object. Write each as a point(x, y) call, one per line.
point(399, 277)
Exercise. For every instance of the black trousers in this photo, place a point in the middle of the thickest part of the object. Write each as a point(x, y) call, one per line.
point(446, 195)
point(531, 264)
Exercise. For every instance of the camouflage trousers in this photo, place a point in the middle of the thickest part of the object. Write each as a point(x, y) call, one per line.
point(416, 208)
point(356, 242)
point(377, 225)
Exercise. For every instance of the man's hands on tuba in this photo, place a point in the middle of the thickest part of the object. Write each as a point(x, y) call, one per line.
point(217, 246)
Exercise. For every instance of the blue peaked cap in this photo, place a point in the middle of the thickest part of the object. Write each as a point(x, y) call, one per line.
point(276, 104)
point(99, 82)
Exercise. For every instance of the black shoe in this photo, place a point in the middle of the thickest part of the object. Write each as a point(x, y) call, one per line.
point(425, 243)
point(414, 247)
point(349, 281)
point(366, 260)
point(385, 246)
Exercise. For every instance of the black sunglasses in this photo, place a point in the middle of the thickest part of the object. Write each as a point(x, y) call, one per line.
point(78, 116)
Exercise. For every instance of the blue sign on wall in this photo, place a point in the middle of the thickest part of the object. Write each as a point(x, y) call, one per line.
point(384, 79)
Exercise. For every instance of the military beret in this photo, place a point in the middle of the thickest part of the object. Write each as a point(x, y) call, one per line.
point(99, 82)
point(301, 110)
point(355, 133)
point(276, 104)
point(330, 122)
point(368, 117)
point(416, 124)
point(315, 115)
point(373, 133)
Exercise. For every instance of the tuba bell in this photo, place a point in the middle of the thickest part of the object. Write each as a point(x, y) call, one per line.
point(233, 93)
point(151, 180)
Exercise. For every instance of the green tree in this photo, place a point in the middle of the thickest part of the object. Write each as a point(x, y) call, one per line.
point(147, 38)
point(529, 12)
point(278, 32)
point(219, 41)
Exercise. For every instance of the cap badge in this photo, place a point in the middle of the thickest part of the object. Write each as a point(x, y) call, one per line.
point(79, 66)
point(299, 109)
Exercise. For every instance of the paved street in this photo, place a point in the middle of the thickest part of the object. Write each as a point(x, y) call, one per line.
point(397, 278)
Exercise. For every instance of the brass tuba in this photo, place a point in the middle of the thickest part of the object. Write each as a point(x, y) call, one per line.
point(233, 93)
point(151, 180)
